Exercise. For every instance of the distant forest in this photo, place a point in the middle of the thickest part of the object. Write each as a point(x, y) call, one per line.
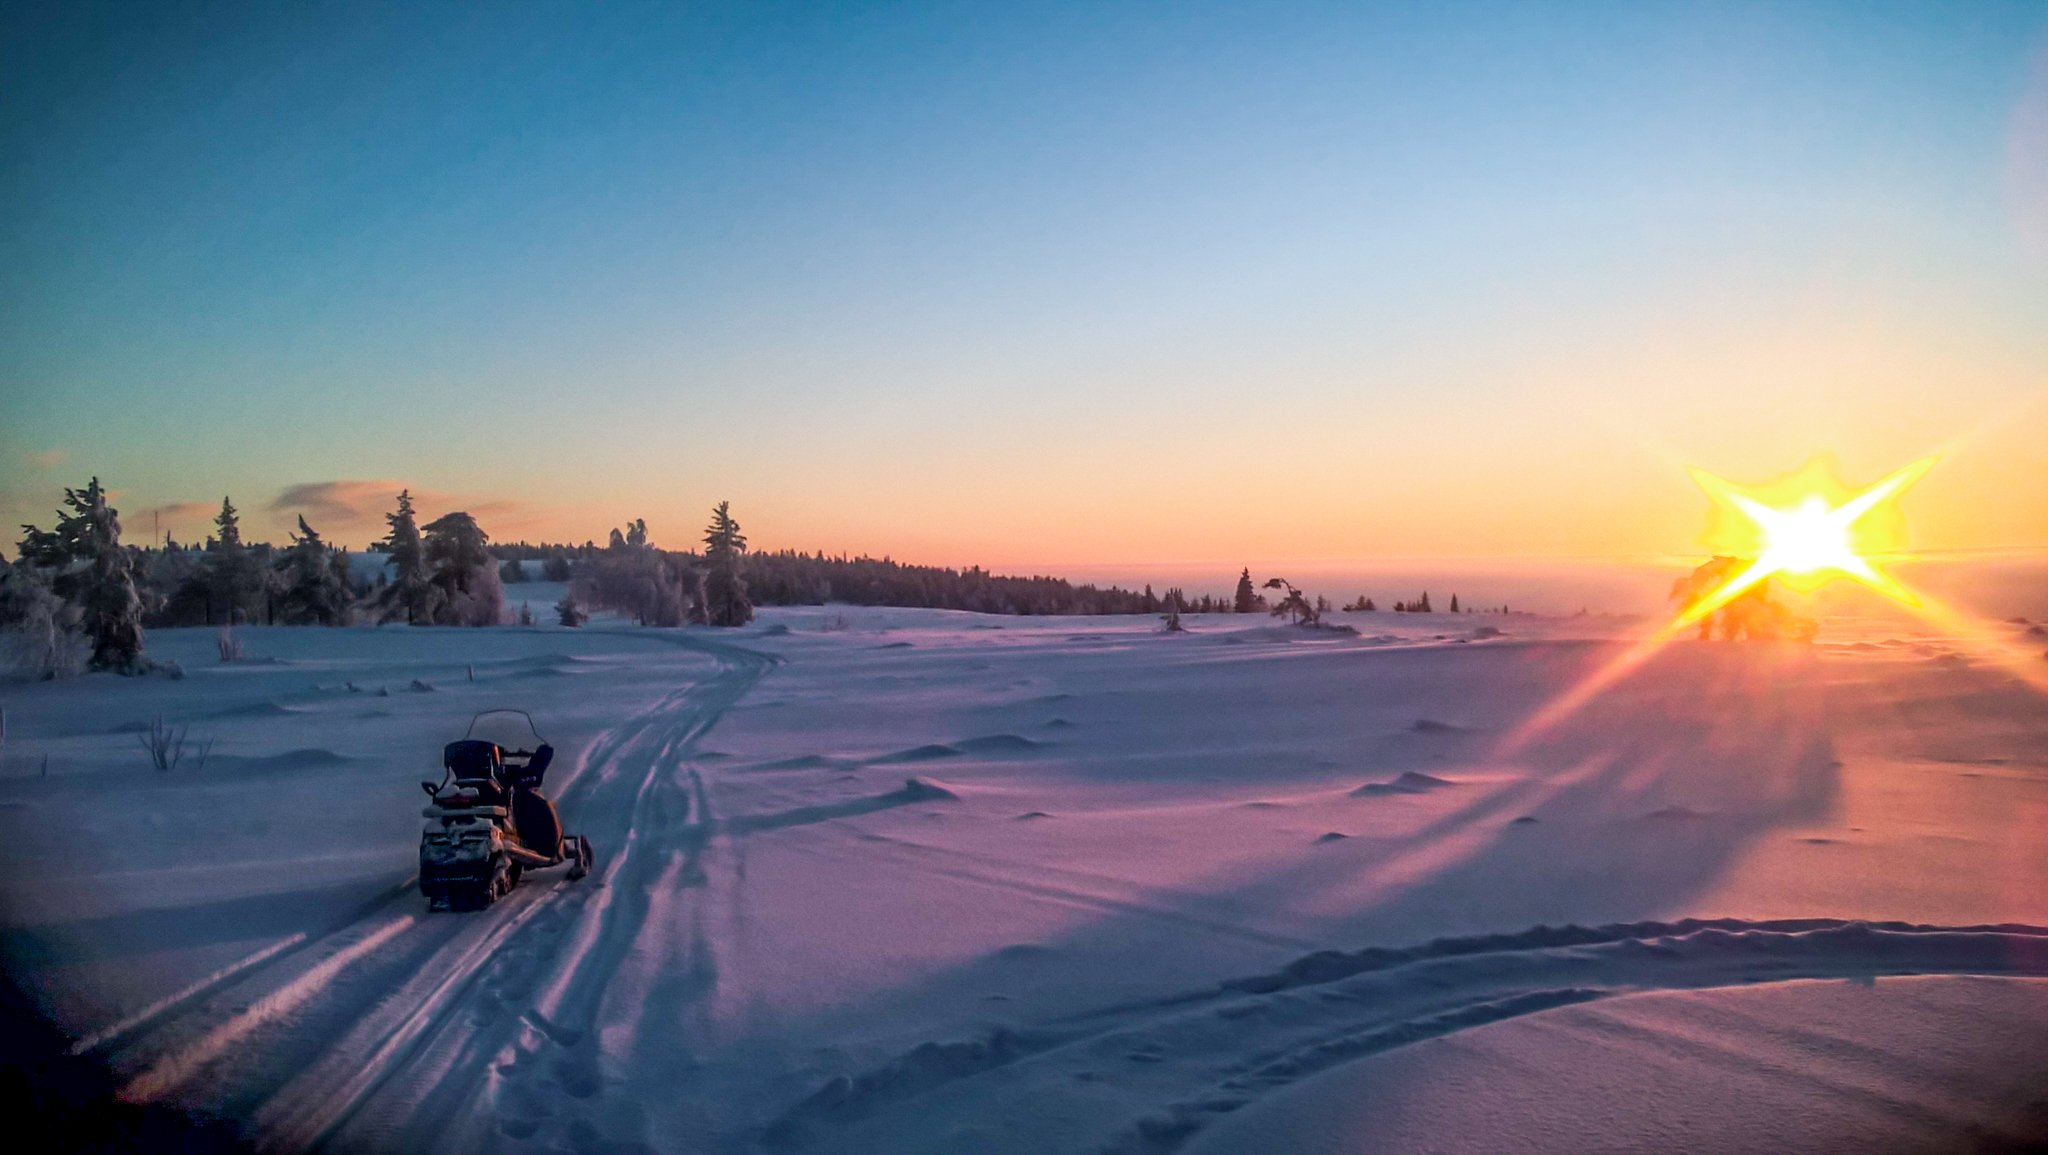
point(795, 578)
point(77, 596)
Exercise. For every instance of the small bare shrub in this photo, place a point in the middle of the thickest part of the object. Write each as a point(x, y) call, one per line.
point(230, 644)
point(165, 746)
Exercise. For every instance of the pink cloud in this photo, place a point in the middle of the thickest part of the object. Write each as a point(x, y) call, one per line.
point(353, 510)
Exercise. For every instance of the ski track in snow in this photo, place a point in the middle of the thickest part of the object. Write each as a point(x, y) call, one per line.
point(257, 1039)
point(1199, 1056)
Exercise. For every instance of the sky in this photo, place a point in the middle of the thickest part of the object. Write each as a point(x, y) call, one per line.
point(1027, 286)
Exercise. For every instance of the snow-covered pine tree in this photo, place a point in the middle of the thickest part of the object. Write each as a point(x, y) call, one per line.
point(411, 592)
point(87, 566)
point(1247, 597)
point(725, 590)
point(314, 593)
point(228, 586)
point(43, 635)
point(1454, 603)
point(1174, 602)
point(463, 571)
point(569, 613)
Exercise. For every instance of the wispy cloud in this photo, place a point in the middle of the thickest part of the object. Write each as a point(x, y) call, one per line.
point(355, 508)
point(344, 504)
point(45, 459)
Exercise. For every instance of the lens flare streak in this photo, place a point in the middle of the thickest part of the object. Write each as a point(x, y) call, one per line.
point(1809, 543)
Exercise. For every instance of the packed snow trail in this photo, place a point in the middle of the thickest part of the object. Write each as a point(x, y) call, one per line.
point(389, 1024)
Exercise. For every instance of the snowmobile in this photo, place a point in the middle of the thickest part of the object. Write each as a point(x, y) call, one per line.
point(488, 822)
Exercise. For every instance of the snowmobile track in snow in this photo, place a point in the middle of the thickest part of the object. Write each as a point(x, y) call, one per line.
point(298, 1037)
point(1199, 1056)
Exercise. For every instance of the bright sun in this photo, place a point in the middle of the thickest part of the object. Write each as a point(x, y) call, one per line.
point(1810, 538)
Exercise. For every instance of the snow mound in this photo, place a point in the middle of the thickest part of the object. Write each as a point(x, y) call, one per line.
point(999, 744)
point(1486, 632)
point(1059, 724)
point(1432, 726)
point(1022, 952)
point(775, 631)
point(1409, 782)
point(986, 744)
point(925, 753)
point(845, 1099)
point(925, 790)
point(258, 710)
point(419, 687)
point(802, 762)
point(1674, 814)
point(308, 758)
point(1028, 815)
point(1332, 836)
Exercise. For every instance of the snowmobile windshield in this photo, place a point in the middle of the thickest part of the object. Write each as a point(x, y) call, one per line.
point(511, 730)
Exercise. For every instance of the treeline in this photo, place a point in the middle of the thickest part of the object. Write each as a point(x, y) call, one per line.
point(672, 587)
point(76, 597)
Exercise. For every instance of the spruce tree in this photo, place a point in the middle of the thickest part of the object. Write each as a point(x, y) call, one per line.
point(315, 593)
point(1454, 603)
point(229, 525)
point(464, 574)
point(1247, 596)
point(103, 589)
point(411, 591)
point(229, 580)
point(569, 613)
point(725, 590)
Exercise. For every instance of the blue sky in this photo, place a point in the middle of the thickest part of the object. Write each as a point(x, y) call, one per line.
point(988, 284)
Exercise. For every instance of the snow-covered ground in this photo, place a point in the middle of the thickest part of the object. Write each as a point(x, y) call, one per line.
point(900, 880)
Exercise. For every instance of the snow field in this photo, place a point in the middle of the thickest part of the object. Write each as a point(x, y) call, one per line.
point(879, 880)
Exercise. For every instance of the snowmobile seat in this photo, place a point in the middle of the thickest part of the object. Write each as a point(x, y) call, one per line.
point(470, 760)
point(477, 766)
point(528, 777)
point(535, 821)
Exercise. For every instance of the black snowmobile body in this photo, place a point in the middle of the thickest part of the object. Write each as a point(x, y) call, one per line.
point(488, 822)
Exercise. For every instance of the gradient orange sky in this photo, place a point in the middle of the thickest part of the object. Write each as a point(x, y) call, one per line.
point(1096, 287)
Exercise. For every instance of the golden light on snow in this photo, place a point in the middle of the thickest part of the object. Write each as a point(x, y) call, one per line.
point(1814, 538)
point(1805, 529)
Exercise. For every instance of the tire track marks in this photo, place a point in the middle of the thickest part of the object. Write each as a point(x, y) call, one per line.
point(568, 948)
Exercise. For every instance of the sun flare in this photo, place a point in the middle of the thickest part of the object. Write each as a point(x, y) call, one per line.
point(1810, 540)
